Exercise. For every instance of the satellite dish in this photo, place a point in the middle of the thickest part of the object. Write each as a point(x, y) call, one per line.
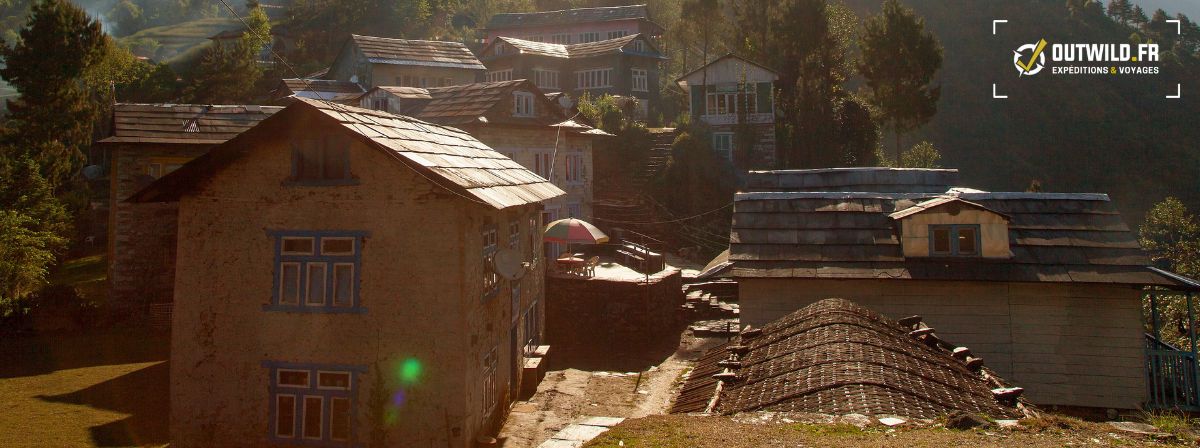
point(93, 172)
point(509, 264)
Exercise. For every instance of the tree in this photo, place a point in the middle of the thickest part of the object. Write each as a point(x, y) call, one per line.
point(52, 119)
point(1138, 16)
point(807, 42)
point(899, 61)
point(229, 73)
point(32, 222)
point(1172, 237)
point(705, 16)
point(921, 155)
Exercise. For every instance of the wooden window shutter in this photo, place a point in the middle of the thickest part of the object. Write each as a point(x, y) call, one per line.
point(697, 101)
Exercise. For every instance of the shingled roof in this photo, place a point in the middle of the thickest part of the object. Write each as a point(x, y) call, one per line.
point(511, 20)
point(1054, 237)
point(431, 53)
point(322, 89)
point(446, 156)
point(182, 123)
point(467, 103)
point(901, 180)
point(836, 357)
point(574, 51)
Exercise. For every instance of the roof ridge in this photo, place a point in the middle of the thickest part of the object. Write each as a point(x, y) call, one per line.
point(640, 5)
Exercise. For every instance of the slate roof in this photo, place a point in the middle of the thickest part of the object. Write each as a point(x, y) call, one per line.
point(567, 17)
point(1054, 237)
point(836, 357)
point(182, 123)
point(431, 53)
point(573, 51)
point(321, 85)
point(446, 156)
point(904, 180)
point(465, 104)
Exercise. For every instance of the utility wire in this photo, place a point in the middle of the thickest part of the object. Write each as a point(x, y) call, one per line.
point(669, 221)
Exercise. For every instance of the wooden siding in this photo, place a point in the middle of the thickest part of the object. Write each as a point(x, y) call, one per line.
point(1078, 345)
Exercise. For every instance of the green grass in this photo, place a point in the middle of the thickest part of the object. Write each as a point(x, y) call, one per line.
point(82, 391)
point(185, 37)
point(87, 274)
point(1173, 422)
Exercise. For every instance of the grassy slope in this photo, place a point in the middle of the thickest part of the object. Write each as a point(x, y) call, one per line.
point(84, 390)
point(1115, 134)
point(675, 431)
point(181, 38)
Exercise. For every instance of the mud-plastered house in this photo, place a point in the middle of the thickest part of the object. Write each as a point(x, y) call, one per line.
point(337, 287)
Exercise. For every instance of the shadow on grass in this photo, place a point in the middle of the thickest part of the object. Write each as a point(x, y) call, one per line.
point(35, 355)
point(143, 394)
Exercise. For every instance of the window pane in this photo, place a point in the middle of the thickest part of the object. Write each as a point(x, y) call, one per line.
point(333, 380)
point(298, 246)
point(293, 378)
point(308, 161)
point(316, 284)
point(285, 415)
point(312, 417)
point(337, 246)
point(335, 160)
point(966, 241)
point(290, 283)
point(339, 419)
point(343, 284)
point(941, 240)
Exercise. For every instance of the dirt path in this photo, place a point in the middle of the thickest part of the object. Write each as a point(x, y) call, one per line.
point(568, 395)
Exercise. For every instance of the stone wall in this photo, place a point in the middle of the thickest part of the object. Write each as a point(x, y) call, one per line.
point(610, 316)
point(141, 237)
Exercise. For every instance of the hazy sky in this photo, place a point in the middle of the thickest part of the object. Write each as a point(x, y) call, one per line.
point(1189, 7)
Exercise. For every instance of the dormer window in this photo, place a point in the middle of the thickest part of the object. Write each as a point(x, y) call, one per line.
point(522, 104)
point(949, 226)
point(955, 240)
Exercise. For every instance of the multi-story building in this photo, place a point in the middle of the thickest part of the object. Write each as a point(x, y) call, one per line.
point(340, 285)
point(149, 141)
point(626, 67)
point(735, 98)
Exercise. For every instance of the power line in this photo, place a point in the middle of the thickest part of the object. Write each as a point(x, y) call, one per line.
point(669, 221)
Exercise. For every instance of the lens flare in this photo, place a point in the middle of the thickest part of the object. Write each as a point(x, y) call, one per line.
point(410, 371)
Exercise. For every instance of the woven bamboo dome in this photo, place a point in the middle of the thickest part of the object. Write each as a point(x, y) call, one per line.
point(836, 357)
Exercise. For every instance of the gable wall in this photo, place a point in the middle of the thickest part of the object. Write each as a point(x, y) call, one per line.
point(1066, 344)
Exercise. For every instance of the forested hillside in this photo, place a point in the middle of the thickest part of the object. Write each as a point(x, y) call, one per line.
point(1111, 134)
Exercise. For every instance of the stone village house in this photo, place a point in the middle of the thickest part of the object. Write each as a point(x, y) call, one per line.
point(380, 61)
point(149, 141)
point(733, 95)
point(625, 66)
point(337, 288)
point(1046, 287)
point(573, 26)
point(516, 119)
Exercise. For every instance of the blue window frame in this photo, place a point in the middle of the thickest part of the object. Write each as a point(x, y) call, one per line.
point(317, 271)
point(954, 240)
point(313, 404)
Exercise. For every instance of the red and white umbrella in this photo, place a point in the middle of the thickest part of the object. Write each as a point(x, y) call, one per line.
point(573, 231)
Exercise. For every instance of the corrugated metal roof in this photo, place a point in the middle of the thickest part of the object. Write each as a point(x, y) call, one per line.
point(433, 53)
point(446, 156)
point(567, 16)
point(1054, 237)
point(183, 123)
point(837, 357)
